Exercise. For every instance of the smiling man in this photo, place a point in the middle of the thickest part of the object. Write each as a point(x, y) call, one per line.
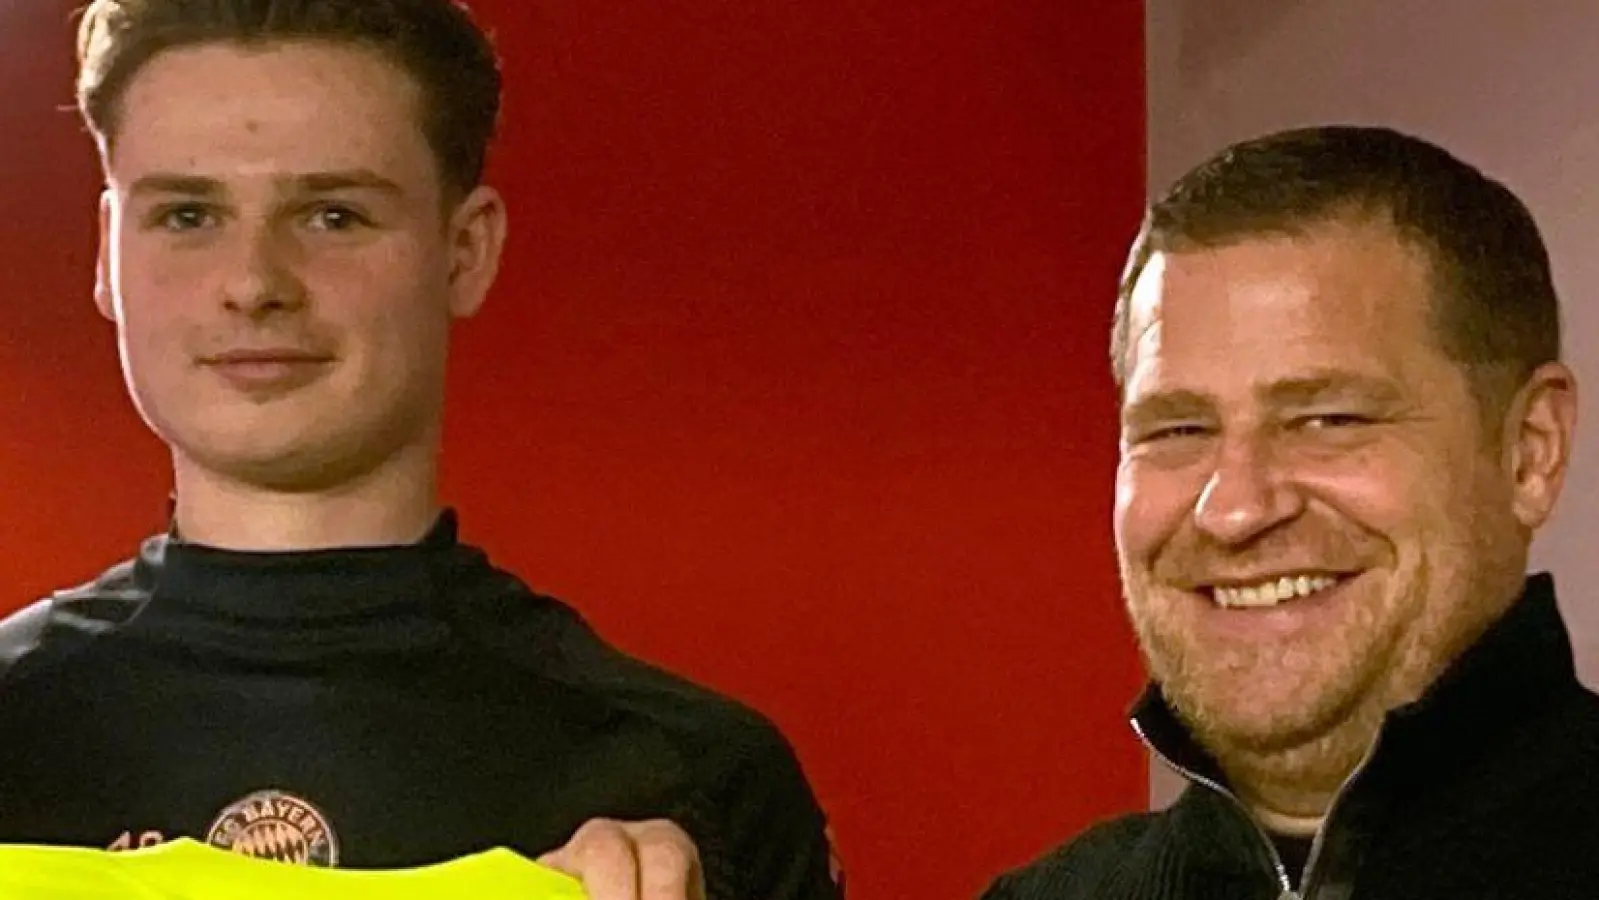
point(1344, 416)
point(311, 667)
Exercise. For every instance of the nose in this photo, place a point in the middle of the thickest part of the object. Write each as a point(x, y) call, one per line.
point(1248, 493)
point(262, 280)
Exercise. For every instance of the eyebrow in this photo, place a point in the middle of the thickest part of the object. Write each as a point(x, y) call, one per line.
point(1166, 406)
point(201, 186)
point(1332, 386)
point(169, 183)
point(1326, 387)
point(351, 180)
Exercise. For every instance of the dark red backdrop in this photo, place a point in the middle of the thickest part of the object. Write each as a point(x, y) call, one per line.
point(795, 382)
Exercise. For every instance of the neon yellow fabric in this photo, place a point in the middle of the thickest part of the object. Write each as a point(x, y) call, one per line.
point(188, 870)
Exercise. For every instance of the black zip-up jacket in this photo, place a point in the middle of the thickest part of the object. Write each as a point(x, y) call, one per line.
point(374, 708)
point(1485, 789)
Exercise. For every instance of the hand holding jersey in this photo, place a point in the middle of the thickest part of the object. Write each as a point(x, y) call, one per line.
point(652, 860)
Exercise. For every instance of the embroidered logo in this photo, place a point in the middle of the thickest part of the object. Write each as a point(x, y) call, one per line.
point(277, 826)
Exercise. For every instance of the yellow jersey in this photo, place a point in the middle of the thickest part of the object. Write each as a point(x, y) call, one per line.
point(188, 870)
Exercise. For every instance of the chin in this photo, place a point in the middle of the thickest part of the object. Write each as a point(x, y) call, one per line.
point(1257, 726)
point(298, 465)
point(1264, 709)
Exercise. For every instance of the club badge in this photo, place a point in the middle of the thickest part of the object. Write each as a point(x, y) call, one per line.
point(277, 826)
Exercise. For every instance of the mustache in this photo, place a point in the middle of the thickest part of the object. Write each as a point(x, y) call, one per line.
point(1193, 559)
point(213, 344)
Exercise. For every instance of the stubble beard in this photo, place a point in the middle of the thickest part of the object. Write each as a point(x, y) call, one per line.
point(1283, 718)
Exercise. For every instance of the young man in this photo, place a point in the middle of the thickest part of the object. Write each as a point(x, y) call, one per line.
point(1344, 416)
point(310, 666)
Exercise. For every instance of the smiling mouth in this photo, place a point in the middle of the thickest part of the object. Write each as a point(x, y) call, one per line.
point(1273, 591)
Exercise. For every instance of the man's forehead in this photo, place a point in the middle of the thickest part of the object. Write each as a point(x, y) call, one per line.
point(1279, 318)
point(1143, 304)
point(1201, 274)
point(1334, 277)
point(264, 137)
point(1332, 244)
point(220, 99)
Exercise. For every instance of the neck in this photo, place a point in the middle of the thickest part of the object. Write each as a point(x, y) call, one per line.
point(393, 504)
point(1290, 791)
point(1288, 825)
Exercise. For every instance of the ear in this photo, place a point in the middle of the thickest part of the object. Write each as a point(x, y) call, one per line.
point(477, 238)
point(1539, 433)
point(104, 298)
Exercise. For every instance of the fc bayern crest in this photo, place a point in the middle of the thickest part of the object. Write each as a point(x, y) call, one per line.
point(277, 826)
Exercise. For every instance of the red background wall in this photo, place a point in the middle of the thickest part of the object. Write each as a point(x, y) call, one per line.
point(794, 382)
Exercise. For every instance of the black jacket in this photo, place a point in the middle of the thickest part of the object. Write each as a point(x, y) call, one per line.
point(374, 709)
point(1485, 789)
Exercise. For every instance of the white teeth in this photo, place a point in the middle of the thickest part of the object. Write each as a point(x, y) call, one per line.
point(1271, 593)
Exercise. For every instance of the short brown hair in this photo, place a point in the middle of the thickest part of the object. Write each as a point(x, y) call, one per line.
point(436, 41)
point(1494, 306)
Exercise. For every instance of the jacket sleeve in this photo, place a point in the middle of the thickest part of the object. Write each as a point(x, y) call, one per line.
point(760, 831)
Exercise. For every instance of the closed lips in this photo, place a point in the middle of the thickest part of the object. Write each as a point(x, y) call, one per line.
point(261, 357)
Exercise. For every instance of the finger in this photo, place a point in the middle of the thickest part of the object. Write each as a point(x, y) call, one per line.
point(602, 856)
point(669, 866)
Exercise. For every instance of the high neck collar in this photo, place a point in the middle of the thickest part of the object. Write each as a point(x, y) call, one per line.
point(307, 608)
point(302, 585)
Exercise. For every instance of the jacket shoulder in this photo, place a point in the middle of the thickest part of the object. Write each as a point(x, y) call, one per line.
point(1080, 867)
point(67, 616)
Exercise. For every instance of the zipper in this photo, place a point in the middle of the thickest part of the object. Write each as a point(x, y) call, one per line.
point(1308, 886)
point(1316, 842)
point(1278, 869)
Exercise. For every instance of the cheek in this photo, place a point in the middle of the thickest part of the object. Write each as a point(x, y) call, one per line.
point(1151, 505)
point(151, 264)
point(1401, 496)
point(1379, 504)
point(159, 294)
point(152, 335)
point(396, 328)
